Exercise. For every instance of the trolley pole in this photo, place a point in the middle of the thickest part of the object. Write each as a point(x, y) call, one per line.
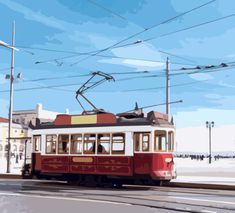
point(210, 125)
point(11, 100)
point(167, 87)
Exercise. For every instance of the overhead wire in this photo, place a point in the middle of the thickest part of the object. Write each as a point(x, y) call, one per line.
point(190, 70)
point(142, 31)
point(162, 87)
point(107, 9)
point(150, 76)
point(191, 27)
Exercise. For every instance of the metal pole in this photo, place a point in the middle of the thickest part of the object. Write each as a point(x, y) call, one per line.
point(209, 143)
point(11, 100)
point(167, 87)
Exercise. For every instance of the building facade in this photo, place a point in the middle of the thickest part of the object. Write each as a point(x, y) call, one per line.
point(25, 116)
point(18, 135)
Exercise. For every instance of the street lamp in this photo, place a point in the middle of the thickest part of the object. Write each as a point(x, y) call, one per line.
point(11, 78)
point(4, 44)
point(210, 124)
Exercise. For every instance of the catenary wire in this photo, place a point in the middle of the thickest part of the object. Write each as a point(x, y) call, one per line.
point(142, 31)
point(191, 27)
point(107, 9)
point(76, 84)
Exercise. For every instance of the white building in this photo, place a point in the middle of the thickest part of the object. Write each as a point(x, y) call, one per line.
point(18, 135)
point(25, 116)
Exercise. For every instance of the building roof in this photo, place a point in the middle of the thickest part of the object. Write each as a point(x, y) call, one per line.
point(3, 120)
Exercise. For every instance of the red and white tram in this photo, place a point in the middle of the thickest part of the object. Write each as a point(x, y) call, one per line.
point(104, 147)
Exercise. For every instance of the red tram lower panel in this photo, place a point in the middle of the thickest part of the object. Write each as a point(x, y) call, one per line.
point(158, 166)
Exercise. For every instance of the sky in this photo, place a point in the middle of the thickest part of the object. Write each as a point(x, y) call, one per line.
point(51, 34)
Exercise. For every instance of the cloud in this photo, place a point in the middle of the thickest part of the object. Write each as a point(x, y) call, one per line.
point(201, 76)
point(197, 118)
point(223, 100)
point(33, 15)
point(221, 83)
point(143, 63)
point(133, 53)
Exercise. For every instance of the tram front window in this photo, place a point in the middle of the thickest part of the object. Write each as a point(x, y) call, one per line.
point(160, 141)
point(171, 141)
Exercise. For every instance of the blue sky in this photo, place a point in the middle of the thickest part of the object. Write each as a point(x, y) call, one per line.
point(82, 26)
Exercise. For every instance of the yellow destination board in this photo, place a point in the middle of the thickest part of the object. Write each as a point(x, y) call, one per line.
point(84, 119)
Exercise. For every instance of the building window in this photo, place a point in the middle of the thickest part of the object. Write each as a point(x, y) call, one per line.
point(145, 141)
point(160, 141)
point(118, 143)
point(51, 144)
point(76, 144)
point(103, 144)
point(14, 148)
point(171, 141)
point(21, 148)
point(89, 143)
point(36, 143)
point(63, 144)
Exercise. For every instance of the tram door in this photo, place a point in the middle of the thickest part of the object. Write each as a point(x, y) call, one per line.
point(36, 153)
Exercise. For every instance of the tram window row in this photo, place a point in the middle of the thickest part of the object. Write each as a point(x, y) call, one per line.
point(104, 143)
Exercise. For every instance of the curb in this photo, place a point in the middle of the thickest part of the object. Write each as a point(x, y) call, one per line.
point(170, 184)
point(200, 185)
point(10, 176)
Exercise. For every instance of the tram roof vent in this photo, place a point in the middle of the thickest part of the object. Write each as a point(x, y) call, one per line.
point(158, 118)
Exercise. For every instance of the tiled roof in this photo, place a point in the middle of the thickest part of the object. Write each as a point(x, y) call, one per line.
point(3, 120)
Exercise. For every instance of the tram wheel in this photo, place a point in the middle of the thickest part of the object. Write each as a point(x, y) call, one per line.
point(90, 180)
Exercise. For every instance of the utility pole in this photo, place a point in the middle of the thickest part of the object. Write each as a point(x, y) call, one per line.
point(11, 99)
point(167, 87)
point(210, 125)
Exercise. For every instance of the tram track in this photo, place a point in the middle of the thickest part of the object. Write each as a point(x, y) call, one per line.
point(61, 189)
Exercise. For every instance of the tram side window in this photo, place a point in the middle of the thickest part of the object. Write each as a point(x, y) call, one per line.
point(171, 141)
point(89, 143)
point(160, 141)
point(36, 143)
point(103, 144)
point(51, 144)
point(63, 144)
point(76, 144)
point(118, 143)
point(145, 141)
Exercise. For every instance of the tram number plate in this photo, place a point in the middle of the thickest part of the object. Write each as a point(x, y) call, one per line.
point(82, 160)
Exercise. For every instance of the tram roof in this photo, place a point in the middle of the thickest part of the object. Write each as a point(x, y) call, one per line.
point(106, 119)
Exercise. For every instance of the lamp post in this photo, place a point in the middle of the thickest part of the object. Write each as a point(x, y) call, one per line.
point(210, 124)
point(11, 78)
